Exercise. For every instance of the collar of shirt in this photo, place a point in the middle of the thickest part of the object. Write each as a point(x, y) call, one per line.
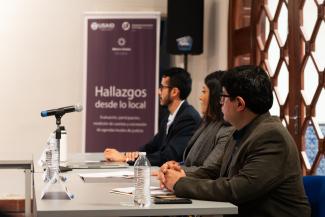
point(238, 134)
point(171, 117)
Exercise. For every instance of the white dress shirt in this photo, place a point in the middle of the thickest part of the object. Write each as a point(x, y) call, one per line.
point(171, 117)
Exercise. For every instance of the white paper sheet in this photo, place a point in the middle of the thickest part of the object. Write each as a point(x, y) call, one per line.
point(153, 191)
point(125, 174)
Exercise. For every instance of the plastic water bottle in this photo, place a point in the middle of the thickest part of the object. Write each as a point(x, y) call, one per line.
point(52, 171)
point(52, 158)
point(142, 181)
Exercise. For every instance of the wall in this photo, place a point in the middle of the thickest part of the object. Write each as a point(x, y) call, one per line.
point(215, 53)
point(41, 63)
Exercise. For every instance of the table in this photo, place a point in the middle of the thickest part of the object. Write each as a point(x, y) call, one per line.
point(20, 161)
point(94, 199)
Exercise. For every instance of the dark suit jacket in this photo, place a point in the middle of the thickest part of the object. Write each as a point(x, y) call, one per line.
point(164, 147)
point(263, 177)
point(206, 145)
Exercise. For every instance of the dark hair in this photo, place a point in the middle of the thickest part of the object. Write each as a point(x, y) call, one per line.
point(252, 84)
point(213, 82)
point(181, 79)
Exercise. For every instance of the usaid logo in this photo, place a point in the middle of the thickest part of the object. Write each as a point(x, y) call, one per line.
point(102, 26)
point(121, 41)
point(126, 26)
point(94, 26)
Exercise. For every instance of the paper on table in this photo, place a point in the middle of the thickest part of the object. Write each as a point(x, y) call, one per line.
point(92, 161)
point(125, 174)
point(153, 191)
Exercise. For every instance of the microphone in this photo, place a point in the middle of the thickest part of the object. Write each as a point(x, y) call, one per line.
point(61, 111)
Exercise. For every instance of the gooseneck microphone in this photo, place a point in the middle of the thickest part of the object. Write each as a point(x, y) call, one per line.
point(61, 111)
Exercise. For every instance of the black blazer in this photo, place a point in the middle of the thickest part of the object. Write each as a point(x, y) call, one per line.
point(164, 147)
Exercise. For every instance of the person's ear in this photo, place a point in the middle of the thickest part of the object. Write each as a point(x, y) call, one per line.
point(175, 92)
point(241, 104)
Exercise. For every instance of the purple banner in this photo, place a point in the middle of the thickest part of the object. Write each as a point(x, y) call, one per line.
point(121, 97)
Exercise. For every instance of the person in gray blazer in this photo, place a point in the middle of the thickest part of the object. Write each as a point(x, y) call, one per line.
point(208, 142)
point(260, 169)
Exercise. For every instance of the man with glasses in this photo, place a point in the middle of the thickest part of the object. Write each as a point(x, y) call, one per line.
point(176, 128)
point(260, 169)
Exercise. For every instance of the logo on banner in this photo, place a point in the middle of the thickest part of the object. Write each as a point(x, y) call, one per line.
point(102, 26)
point(121, 50)
point(94, 26)
point(121, 41)
point(126, 26)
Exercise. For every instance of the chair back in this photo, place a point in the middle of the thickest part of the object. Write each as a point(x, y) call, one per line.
point(315, 190)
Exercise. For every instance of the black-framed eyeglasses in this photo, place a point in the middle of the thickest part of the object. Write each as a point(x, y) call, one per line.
point(163, 86)
point(222, 97)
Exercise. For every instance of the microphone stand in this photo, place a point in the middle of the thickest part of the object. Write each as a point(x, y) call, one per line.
point(55, 188)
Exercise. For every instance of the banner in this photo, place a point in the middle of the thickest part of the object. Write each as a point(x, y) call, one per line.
point(121, 80)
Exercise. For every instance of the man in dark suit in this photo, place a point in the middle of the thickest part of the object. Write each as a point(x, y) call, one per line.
point(260, 168)
point(176, 127)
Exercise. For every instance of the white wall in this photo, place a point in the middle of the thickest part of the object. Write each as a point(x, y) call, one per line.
point(41, 63)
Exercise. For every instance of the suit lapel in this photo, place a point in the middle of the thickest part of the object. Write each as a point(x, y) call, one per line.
point(230, 156)
point(206, 136)
point(193, 139)
point(227, 157)
point(171, 127)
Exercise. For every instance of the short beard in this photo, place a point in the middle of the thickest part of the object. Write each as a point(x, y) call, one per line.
point(168, 101)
